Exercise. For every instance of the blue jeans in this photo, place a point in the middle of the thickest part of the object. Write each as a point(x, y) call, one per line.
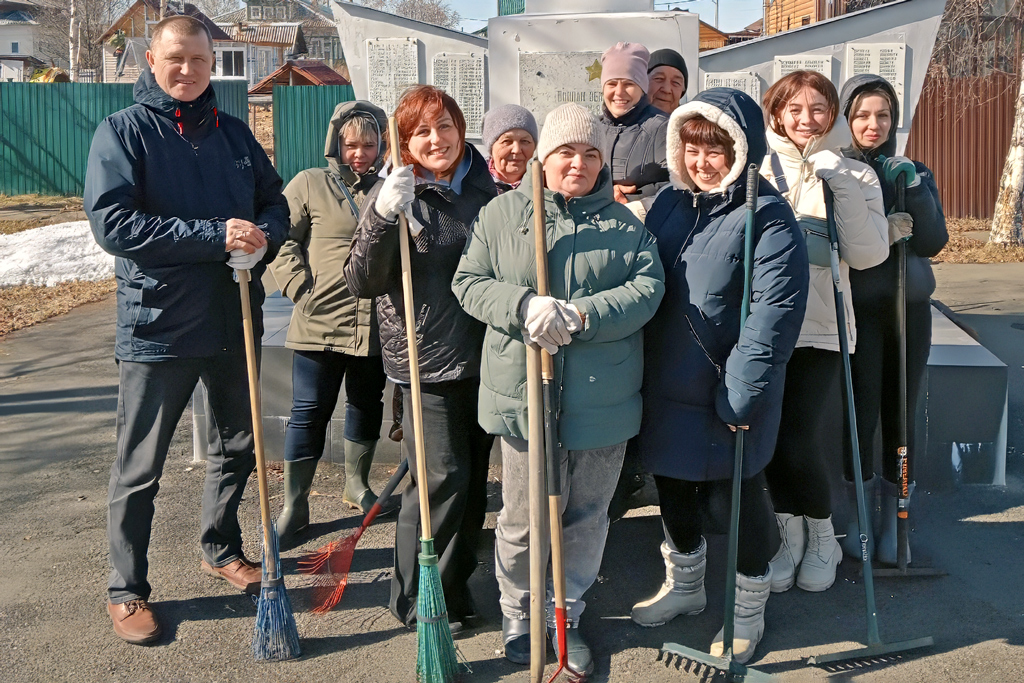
point(316, 381)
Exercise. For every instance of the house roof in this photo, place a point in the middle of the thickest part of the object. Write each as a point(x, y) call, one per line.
point(299, 72)
point(283, 34)
point(16, 17)
point(188, 10)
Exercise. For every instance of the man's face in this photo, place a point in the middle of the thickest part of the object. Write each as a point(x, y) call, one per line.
point(181, 64)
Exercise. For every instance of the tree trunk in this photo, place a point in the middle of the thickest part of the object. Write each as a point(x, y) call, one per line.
point(1008, 221)
point(74, 42)
point(163, 9)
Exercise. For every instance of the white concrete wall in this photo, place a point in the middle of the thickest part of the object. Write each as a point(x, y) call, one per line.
point(914, 22)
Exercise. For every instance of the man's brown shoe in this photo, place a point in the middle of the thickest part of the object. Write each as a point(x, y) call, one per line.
point(242, 574)
point(134, 621)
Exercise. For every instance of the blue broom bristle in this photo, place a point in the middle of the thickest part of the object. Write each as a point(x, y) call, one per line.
point(436, 661)
point(275, 637)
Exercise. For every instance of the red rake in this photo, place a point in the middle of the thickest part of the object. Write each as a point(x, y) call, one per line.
point(330, 564)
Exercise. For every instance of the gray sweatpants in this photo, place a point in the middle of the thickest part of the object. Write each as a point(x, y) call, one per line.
point(588, 481)
point(151, 399)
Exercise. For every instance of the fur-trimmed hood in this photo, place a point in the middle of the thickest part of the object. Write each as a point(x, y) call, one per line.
point(734, 111)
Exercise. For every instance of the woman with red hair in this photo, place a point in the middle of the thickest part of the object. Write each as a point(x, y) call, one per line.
point(442, 188)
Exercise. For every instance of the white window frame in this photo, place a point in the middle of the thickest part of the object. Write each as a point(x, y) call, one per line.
point(255, 12)
point(282, 12)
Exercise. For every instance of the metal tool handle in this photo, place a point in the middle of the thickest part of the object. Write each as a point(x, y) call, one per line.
point(903, 447)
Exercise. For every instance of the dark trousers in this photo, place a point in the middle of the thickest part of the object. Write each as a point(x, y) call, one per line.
point(876, 383)
point(151, 399)
point(810, 434)
point(682, 501)
point(316, 381)
point(457, 452)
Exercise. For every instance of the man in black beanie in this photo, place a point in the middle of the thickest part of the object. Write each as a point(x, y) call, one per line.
point(668, 78)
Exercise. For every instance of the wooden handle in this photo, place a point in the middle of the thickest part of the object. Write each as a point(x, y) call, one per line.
point(257, 419)
point(540, 240)
point(410, 336)
point(538, 520)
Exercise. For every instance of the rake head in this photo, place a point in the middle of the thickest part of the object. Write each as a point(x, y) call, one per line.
point(710, 668)
point(329, 566)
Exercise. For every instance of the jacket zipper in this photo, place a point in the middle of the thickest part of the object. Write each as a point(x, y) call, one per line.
point(693, 331)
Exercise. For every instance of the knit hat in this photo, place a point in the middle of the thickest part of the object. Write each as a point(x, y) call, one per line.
point(669, 57)
point(625, 60)
point(568, 124)
point(501, 120)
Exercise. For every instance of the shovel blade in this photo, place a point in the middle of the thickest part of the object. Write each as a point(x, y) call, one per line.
point(733, 669)
point(871, 651)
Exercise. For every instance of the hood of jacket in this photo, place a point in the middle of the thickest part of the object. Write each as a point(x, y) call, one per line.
point(853, 87)
point(188, 116)
point(332, 146)
point(736, 113)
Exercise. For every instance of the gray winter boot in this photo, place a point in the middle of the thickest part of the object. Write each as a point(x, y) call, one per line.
point(886, 549)
point(358, 459)
point(683, 590)
point(790, 552)
point(851, 543)
point(298, 480)
point(751, 598)
point(823, 555)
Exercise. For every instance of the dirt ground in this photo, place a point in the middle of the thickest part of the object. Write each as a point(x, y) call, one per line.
point(58, 389)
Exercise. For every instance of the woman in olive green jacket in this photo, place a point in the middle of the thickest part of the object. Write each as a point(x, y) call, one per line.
point(606, 283)
point(333, 333)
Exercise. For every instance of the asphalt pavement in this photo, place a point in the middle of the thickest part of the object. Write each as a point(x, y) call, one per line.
point(58, 389)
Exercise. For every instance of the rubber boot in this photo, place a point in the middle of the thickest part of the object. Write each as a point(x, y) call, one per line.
point(885, 551)
point(751, 598)
point(358, 459)
point(683, 590)
point(818, 569)
point(298, 480)
point(790, 552)
point(851, 542)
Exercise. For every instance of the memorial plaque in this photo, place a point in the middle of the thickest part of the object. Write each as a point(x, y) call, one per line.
point(888, 60)
point(548, 79)
point(392, 65)
point(747, 81)
point(462, 77)
point(787, 64)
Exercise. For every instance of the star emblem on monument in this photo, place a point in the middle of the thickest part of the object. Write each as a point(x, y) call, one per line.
point(594, 71)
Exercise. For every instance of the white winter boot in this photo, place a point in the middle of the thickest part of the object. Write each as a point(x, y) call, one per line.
point(823, 555)
point(751, 597)
point(683, 590)
point(790, 553)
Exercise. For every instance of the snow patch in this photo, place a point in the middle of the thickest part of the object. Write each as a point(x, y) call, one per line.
point(52, 254)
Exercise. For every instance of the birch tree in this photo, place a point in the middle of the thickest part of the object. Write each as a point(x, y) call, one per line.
point(1008, 221)
point(74, 33)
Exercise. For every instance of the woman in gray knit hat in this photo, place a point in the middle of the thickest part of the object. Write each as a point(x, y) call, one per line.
point(607, 281)
point(510, 138)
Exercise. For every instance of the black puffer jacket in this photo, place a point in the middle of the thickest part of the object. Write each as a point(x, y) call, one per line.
point(163, 179)
point(450, 340)
point(922, 203)
point(633, 146)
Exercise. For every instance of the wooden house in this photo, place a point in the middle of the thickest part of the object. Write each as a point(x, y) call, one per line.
point(783, 15)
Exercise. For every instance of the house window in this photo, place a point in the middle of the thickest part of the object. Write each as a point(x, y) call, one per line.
point(233, 63)
point(282, 12)
point(806, 20)
point(316, 48)
point(255, 12)
point(14, 48)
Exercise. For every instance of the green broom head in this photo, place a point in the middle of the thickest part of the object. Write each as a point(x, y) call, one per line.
point(436, 661)
point(276, 637)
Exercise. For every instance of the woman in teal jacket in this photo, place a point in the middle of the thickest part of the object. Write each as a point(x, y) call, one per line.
point(606, 283)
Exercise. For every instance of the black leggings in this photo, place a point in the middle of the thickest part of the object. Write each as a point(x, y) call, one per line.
point(810, 434)
point(875, 368)
point(681, 502)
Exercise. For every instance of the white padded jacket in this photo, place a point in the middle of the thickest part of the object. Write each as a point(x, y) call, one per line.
point(860, 222)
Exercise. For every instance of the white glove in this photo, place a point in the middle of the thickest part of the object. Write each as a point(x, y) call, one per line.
point(574, 319)
point(396, 192)
point(239, 260)
point(901, 227)
point(546, 322)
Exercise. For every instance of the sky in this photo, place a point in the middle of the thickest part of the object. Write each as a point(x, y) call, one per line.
point(733, 15)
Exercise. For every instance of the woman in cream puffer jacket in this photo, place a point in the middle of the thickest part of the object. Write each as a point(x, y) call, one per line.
point(805, 150)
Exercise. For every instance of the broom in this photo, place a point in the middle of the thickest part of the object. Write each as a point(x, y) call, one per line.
point(275, 636)
point(435, 655)
point(330, 564)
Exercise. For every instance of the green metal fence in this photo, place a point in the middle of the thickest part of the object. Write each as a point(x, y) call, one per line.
point(46, 130)
point(301, 115)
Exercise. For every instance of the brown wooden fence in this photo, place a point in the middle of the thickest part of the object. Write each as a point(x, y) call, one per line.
point(961, 131)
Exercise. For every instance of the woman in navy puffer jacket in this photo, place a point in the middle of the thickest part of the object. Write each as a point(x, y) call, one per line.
point(704, 377)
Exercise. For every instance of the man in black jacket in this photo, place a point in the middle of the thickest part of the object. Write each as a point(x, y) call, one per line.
point(181, 194)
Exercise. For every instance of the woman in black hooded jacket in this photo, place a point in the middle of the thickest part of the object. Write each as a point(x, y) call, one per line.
point(871, 107)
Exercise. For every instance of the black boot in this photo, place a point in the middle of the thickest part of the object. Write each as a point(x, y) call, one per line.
point(515, 633)
point(298, 480)
point(851, 544)
point(358, 459)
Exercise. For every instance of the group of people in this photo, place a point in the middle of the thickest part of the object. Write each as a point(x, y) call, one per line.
point(644, 212)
